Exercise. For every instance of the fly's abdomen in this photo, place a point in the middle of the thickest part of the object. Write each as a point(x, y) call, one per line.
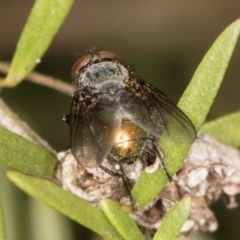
point(130, 141)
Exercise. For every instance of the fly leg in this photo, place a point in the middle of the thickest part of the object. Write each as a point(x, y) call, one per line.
point(160, 156)
point(125, 180)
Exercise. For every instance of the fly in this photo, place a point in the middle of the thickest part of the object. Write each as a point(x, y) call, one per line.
point(115, 115)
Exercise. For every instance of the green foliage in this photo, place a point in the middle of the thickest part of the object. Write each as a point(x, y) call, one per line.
point(198, 97)
point(2, 223)
point(43, 23)
point(202, 90)
point(196, 103)
point(65, 202)
point(174, 220)
point(25, 156)
point(225, 129)
point(121, 221)
point(141, 191)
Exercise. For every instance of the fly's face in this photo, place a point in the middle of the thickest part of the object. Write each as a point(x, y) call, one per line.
point(118, 116)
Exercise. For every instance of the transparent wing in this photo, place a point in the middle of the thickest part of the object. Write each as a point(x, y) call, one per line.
point(93, 124)
point(153, 111)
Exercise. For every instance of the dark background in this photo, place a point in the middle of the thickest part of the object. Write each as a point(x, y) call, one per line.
point(164, 40)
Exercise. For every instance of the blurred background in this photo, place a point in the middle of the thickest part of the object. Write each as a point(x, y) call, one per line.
point(164, 40)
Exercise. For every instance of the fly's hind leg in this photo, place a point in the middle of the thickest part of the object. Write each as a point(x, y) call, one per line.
point(160, 156)
point(125, 180)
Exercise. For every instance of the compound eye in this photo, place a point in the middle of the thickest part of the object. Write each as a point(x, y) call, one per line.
point(80, 63)
point(107, 55)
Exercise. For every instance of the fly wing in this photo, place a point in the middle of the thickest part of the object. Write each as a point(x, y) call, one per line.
point(153, 111)
point(93, 125)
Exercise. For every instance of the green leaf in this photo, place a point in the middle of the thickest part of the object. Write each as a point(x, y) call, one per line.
point(174, 220)
point(147, 186)
point(25, 156)
point(72, 206)
point(202, 90)
point(43, 23)
point(195, 103)
point(2, 222)
point(46, 223)
point(225, 129)
point(120, 220)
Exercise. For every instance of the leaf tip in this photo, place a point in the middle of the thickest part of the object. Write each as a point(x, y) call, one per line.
point(8, 174)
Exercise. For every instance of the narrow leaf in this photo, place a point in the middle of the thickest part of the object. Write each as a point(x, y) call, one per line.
point(147, 186)
point(201, 91)
point(11, 197)
point(72, 206)
point(121, 221)
point(195, 103)
point(174, 220)
point(25, 156)
point(2, 222)
point(46, 223)
point(43, 23)
point(225, 129)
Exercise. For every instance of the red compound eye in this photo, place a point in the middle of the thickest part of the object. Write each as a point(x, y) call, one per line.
point(83, 61)
point(105, 55)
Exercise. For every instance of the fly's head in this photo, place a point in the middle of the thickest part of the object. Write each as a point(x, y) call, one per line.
point(102, 72)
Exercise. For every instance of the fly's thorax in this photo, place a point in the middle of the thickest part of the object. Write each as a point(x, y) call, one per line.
point(130, 141)
point(104, 77)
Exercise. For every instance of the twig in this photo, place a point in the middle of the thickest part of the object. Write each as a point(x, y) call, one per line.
point(41, 79)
